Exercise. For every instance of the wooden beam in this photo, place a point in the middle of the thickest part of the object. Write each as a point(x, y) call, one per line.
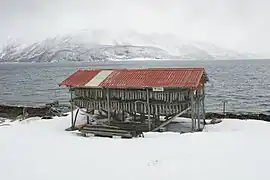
point(75, 119)
point(203, 107)
point(192, 110)
point(134, 101)
point(198, 110)
point(71, 103)
point(171, 119)
point(195, 111)
point(148, 109)
point(108, 104)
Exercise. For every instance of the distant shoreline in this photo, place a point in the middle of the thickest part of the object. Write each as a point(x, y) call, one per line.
point(13, 112)
point(131, 60)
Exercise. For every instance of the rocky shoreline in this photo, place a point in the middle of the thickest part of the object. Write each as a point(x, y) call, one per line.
point(235, 115)
point(14, 112)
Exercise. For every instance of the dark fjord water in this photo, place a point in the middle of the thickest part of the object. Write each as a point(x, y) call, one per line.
point(244, 84)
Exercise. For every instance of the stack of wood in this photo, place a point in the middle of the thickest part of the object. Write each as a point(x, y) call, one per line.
point(104, 131)
point(136, 128)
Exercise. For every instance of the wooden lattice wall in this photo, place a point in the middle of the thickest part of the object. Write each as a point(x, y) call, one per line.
point(164, 103)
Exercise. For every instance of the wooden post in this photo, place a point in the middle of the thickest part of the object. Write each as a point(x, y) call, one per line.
point(195, 110)
point(71, 103)
point(192, 109)
point(87, 120)
point(108, 103)
point(24, 113)
point(123, 115)
point(224, 108)
point(148, 109)
point(203, 107)
point(75, 119)
point(198, 109)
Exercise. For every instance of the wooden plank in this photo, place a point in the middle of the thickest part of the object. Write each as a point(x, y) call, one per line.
point(171, 119)
point(102, 126)
point(129, 101)
point(107, 134)
point(131, 126)
point(103, 130)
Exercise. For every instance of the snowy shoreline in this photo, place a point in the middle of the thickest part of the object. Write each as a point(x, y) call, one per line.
point(12, 112)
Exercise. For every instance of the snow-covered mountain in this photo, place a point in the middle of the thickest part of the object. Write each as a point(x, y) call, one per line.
point(107, 45)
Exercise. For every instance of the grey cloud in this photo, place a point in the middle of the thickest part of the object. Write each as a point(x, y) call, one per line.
point(238, 24)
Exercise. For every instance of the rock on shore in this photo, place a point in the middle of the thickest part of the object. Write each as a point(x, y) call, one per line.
point(13, 112)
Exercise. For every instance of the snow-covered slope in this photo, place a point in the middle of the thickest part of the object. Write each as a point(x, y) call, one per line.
point(67, 49)
point(107, 45)
point(221, 53)
point(41, 149)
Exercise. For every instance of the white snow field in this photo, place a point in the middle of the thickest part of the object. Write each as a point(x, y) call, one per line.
point(41, 150)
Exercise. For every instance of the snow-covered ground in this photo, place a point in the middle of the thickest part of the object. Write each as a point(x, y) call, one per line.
point(41, 150)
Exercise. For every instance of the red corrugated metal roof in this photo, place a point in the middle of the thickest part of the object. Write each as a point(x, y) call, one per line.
point(79, 78)
point(141, 78)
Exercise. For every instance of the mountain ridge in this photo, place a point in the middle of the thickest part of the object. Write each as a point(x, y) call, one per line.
point(106, 46)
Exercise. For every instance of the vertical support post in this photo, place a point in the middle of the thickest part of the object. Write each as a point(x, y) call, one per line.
point(198, 109)
point(88, 113)
point(224, 107)
point(203, 107)
point(87, 119)
point(108, 105)
point(195, 110)
point(24, 113)
point(148, 109)
point(71, 103)
point(158, 114)
point(123, 115)
point(192, 110)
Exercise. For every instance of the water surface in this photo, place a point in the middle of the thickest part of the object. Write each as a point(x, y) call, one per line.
point(244, 84)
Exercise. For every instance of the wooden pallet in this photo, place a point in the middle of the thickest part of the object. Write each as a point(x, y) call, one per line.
point(135, 128)
point(104, 131)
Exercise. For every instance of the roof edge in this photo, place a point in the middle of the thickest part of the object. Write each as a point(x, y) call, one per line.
point(62, 83)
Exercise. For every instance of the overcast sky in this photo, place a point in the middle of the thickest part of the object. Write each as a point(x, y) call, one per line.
point(237, 24)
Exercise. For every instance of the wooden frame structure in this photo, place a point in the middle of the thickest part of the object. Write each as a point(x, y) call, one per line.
point(144, 104)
